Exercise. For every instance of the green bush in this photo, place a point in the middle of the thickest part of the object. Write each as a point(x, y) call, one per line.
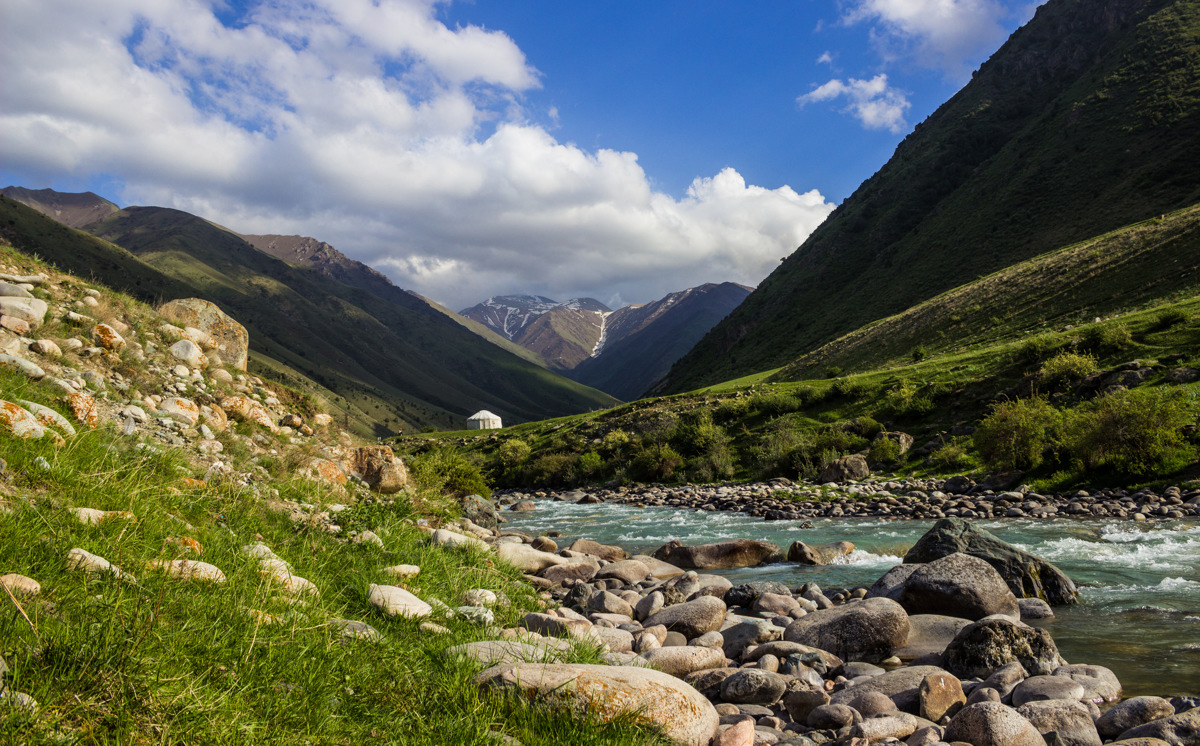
point(775, 403)
point(1109, 336)
point(1037, 349)
point(511, 454)
point(840, 441)
point(1067, 367)
point(884, 450)
point(781, 450)
point(447, 471)
point(591, 464)
point(1017, 433)
point(1136, 432)
point(697, 434)
point(919, 353)
point(552, 469)
point(1170, 317)
point(950, 456)
point(657, 463)
point(732, 409)
point(850, 389)
point(865, 426)
point(907, 399)
point(615, 442)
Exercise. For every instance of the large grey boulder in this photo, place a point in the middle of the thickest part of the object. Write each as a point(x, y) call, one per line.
point(480, 511)
point(992, 724)
point(892, 582)
point(1069, 721)
point(753, 686)
point(680, 661)
point(902, 685)
point(1131, 713)
point(845, 469)
point(231, 338)
point(958, 585)
point(986, 645)
point(1100, 685)
point(1027, 576)
point(822, 554)
point(721, 555)
point(930, 634)
point(868, 630)
point(608, 692)
point(746, 594)
point(691, 619)
point(740, 636)
point(1181, 729)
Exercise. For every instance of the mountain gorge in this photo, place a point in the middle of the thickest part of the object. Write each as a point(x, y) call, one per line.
point(621, 352)
point(1084, 121)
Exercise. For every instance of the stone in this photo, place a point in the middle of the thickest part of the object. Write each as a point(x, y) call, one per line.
point(557, 626)
point(610, 603)
point(799, 703)
point(782, 650)
point(658, 569)
point(16, 326)
point(744, 595)
point(189, 570)
point(775, 604)
point(868, 630)
point(382, 470)
point(492, 652)
point(876, 729)
point(1062, 722)
point(83, 407)
point(986, 645)
point(892, 582)
point(1027, 576)
point(958, 585)
point(479, 511)
point(350, 630)
point(606, 692)
point(992, 724)
point(401, 572)
point(229, 337)
point(627, 571)
point(1125, 716)
point(180, 409)
point(46, 348)
point(556, 574)
point(446, 538)
point(245, 409)
point(596, 549)
point(692, 618)
point(753, 686)
point(1034, 608)
point(78, 559)
point(680, 661)
point(523, 506)
point(721, 555)
point(872, 704)
point(740, 733)
point(616, 640)
point(744, 634)
point(11, 290)
point(189, 353)
point(94, 517)
point(1100, 685)
point(395, 601)
point(1180, 729)
point(806, 554)
point(930, 634)
point(845, 469)
point(107, 337)
point(1040, 688)
point(324, 470)
point(49, 417)
point(832, 717)
point(527, 559)
point(20, 586)
point(940, 694)
point(902, 685)
point(26, 368)
point(30, 310)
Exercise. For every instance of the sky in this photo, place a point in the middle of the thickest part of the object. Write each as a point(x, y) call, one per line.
point(617, 150)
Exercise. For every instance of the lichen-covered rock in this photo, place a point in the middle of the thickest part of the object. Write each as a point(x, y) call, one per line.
point(605, 692)
point(83, 407)
point(49, 417)
point(324, 470)
point(189, 353)
point(958, 585)
point(231, 339)
point(26, 368)
point(180, 409)
point(20, 422)
point(992, 724)
point(30, 310)
point(721, 555)
point(245, 409)
point(107, 337)
point(990, 643)
point(379, 467)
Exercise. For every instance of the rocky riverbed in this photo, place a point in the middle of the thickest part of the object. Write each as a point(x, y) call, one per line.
point(938, 650)
point(900, 499)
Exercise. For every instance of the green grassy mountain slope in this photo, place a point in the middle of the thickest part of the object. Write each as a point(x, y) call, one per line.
point(1127, 269)
point(1085, 120)
point(370, 351)
point(72, 210)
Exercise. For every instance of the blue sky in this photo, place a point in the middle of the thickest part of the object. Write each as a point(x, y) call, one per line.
point(619, 150)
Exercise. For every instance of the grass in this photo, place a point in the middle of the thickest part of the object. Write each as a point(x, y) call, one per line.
point(160, 660)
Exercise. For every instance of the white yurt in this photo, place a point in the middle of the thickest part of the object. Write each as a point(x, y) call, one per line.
point(484, 420)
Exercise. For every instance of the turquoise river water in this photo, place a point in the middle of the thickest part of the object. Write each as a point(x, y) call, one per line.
point(1139, 582)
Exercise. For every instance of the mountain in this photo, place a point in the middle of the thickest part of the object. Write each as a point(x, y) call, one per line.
point(362, 346)
point(74, 210)
point(641, 342)
point(1084, 121)
point(562, 334)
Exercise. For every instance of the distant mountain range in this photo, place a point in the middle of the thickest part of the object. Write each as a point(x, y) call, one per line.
point(1086, 120)
point(621, 352)
point(396, 360)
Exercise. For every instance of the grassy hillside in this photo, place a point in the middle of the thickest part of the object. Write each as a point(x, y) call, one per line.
point(407, 366)
point(1083, 121)
point(1139, 265)
point(1128, 383)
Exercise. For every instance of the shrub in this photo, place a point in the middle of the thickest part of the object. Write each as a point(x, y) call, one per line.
point(833, 371)
point(1107, 336)
point(1170, 317)
point(1017, 433)
point(1067, 367)
point(865, 426)
point(885, 451)
point(447, 471)
point(591, 464)
point(919, 353)
point(906, 399)
point(615, 442)
point(552, 469)
point(839, 441)
point(697, 434)
point(1037, 349)
point(850, 389)
point(655, 464)
point(511, 454)
point(950, 456)
point(1135, 432)
point(781, 449)
point(775, 403)
point(732, 409)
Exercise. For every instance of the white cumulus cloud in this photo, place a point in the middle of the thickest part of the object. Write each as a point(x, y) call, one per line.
point(950, 35)
point(374, 126)
point(873, 102)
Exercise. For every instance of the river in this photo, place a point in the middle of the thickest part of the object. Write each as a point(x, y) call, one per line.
point(1139, 582)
